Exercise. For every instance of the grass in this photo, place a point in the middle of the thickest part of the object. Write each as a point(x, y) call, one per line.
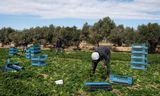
point(75, 68)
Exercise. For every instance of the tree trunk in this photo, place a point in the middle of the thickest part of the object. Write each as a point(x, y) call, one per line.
point(77, 45)
point(97, 43)
point(152, 47)
point(1, 44)
point(119, 43)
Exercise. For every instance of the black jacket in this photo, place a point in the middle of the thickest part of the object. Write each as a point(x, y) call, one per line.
point(104, 53)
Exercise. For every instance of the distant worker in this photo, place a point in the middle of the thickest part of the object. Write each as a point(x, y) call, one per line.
point(59, 46)
point(24, 44)
point(101, 53)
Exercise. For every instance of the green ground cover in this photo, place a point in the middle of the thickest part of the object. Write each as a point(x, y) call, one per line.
point(74, 68)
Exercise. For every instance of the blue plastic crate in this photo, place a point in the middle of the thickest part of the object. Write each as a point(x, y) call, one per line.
point(27, 50)
point(138, 52)
point(15, 67)
point(139, 61)
point(35, 58)
point(28, 56)
point(93, 86)
point(35, 49)
point(38, 64)
point(139, 67)
point(39, 60)
point(35, 63)
point(43, 57)
point(139, 56)
point(13, 51)
point(143, 45)
point(134, 58)
point(12, 67)
point(121, 79)
point(139, 47)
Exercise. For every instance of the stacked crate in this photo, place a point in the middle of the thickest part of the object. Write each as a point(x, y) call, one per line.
point(33, 50)
point(39, 60)
point(27, 52)
point(139, 56)
point(13, 51)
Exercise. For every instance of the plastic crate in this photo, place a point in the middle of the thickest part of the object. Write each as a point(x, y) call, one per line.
point(139, 54)
point(139, 67)
point(93, 86)
point(31, 51)
point(15, 67)
point(12, 67)
point(121, 79)
point(139, 61)
point(13, 51)
point(39, 60)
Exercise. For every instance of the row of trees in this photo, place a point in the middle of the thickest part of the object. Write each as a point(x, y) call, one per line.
point(43, 35)
point(104, 29)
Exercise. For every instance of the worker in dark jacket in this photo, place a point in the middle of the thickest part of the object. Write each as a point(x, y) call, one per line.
point(59, 45)
point(101, 53)
point(24, 44)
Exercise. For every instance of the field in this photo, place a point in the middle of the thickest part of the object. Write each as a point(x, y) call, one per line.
point(74, 68)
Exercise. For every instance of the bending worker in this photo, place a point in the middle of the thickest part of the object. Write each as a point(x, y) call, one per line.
point(101, 53)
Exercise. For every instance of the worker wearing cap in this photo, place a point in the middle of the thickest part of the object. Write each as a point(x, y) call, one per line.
point(101, 53)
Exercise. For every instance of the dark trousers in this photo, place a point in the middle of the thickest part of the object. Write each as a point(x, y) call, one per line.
point(106, 64)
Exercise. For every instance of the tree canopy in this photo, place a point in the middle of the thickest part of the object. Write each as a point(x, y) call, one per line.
point(104, 29)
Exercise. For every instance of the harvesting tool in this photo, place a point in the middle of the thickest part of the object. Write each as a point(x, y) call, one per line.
point(93, 86)
point(121, 79)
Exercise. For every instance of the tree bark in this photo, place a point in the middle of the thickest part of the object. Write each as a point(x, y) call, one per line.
point(97, 43)
point(152, 46)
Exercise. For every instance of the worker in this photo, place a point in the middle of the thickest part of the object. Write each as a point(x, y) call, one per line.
point(101, 53)
point(59, 46)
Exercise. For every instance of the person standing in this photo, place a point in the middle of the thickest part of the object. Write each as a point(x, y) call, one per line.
point(24, 44)
point(59, 46)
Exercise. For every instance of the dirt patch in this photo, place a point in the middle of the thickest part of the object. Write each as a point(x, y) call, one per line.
point(117, 92)
point(86, 47)
point(43, 76)
point(121, 49)
point(158, 49)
